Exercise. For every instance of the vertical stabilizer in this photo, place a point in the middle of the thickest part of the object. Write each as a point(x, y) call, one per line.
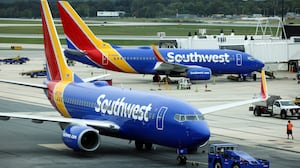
point(81, 38)
point(76, 30)
point(57, 67)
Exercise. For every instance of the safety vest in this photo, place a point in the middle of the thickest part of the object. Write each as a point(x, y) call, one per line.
point(289, 126)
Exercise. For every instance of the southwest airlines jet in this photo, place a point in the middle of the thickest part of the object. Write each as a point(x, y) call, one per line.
point(90, 110)
point(196, 64)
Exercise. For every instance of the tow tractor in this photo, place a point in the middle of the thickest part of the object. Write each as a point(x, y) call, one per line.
point(35, 73)
point(227, 155)
point(15, 60)
point(184, 83)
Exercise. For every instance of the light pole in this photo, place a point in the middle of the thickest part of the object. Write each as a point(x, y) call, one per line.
point(282, 6)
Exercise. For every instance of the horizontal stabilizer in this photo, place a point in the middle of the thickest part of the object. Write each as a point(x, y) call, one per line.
point(101, 77)
point(41, 86)
point(75, 52)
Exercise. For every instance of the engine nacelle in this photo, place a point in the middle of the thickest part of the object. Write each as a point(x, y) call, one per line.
point(80, 137)
point(100, 83)
point(199, 73)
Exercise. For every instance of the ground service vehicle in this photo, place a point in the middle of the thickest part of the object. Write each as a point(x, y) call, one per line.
point(275, 106)
point(297, 100)
point(184, 83)
point(228, 156)
point(16, 60)
point(35, 73)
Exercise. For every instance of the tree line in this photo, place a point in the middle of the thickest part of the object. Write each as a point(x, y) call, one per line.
point(155, 8)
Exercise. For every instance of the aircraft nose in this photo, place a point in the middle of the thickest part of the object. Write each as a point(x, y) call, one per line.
point(259, 64)
point(201, 133)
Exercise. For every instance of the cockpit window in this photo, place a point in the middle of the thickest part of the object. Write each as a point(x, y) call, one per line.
point(251, 58)
point(188, 117)
point(191, 117)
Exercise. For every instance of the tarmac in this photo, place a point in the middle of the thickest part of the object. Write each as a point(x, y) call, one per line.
point(25, 144)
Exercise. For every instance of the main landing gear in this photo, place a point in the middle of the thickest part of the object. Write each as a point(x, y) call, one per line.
point(156, 78)
point(139, 145)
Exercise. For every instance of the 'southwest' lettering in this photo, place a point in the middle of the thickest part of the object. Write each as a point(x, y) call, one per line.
point(123, 109)
point(195, 57)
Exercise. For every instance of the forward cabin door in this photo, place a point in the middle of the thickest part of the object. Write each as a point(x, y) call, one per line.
point(239, 59)
point(160, 118)
point(104, 60)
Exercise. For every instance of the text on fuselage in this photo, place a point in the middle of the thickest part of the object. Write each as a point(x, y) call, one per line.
point(196, 57)
point(120, 107)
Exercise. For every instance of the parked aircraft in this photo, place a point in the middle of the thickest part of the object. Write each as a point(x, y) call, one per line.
point(196, 64)
point(89, 110)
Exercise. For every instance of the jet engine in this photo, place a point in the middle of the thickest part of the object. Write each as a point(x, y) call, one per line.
point(80, 137)
point(198, 73)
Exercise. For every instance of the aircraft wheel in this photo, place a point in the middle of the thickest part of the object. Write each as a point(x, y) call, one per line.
point(181, 160)
point(156, 78)
point(235, 166)
point(218, 164)
point(139, 145)
point(148, 146)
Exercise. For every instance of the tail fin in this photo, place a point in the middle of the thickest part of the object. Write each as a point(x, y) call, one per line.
point(57, 67)
point(81, 38)
point(78, 33)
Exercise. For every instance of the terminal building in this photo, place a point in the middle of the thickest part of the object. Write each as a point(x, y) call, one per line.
point(110, 13)
point(277, 52)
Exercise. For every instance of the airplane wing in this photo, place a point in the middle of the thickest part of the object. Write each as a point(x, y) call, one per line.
point(59, 119)
point(163, 65)
point(228, 105)
point(263, 96)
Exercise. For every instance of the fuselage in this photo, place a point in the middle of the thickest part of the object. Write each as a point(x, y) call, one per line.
point(141, 116)
point(142, 60)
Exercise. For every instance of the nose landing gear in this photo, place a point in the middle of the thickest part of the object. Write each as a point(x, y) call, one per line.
point(181, 158)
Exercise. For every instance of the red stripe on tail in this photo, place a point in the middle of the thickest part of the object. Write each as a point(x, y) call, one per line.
point(53, 70)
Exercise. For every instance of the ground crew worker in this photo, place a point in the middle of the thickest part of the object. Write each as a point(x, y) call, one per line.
point(289, 130)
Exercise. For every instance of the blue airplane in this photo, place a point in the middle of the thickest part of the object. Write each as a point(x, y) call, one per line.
point(90, 110)
point(196, 64)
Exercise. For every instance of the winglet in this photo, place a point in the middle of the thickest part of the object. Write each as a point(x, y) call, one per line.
point(264, 93)
point(157, 54)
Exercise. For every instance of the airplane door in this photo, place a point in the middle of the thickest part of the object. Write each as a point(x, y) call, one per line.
point(160, 118)
point(104, 60)
point(239, 59)
point(276, 108)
